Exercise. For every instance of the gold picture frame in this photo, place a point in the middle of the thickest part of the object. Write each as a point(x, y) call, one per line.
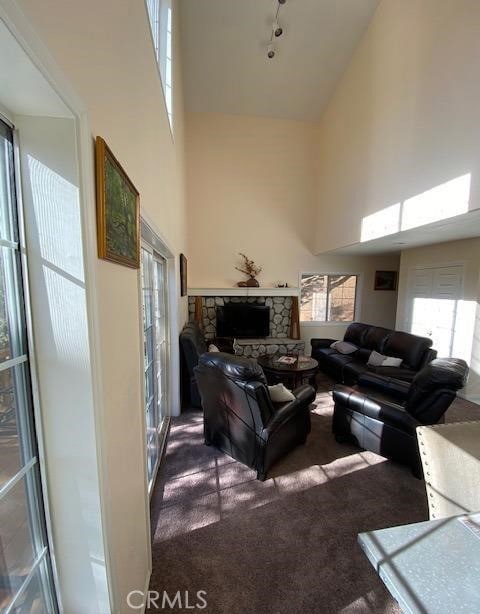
point(118, 210)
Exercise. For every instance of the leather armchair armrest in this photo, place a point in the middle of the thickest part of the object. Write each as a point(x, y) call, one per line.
point(376, 409)
point(321, 343)
point(389, 385)
point(304, 395)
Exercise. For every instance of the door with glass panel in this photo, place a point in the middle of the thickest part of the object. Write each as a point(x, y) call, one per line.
point(25, 573)
point(155, 353)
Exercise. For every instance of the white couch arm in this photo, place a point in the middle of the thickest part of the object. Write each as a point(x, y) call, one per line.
point(450, 456)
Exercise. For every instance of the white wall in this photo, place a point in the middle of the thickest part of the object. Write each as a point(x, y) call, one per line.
point(60, 322)
point(404, 117)
point(105, 53)
point(251, 188)
point(466, 253)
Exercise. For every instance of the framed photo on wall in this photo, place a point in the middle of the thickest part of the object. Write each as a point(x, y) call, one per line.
point(386, 280)
point(118, 210)
point(183, 275)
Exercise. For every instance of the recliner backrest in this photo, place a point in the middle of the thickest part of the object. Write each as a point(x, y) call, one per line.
point(233, 391)
point(375, 338)
point(434, 388)
point(193, 345)
point(410, 348)
point(355, 333)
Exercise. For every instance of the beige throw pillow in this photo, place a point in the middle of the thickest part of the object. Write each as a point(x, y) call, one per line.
point(280, 394)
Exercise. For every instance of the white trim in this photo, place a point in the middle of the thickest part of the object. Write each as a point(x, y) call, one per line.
point(40, 56)
point(261, 291)
point(33, 372)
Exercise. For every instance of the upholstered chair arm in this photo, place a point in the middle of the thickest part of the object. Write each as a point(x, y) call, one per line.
point(304, 396)
point(389, 385)
point(378, 409)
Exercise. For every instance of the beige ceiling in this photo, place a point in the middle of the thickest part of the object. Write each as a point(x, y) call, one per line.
point(224, 54)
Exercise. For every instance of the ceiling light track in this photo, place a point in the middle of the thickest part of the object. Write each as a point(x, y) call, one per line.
point(277, 31)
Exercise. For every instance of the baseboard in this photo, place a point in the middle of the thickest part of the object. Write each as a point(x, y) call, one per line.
point(473, 398)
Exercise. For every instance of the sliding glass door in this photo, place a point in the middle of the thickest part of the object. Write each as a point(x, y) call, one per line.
point(154, 290)
point(25, 574)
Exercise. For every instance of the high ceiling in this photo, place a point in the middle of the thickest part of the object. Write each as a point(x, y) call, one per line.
point(224, 51)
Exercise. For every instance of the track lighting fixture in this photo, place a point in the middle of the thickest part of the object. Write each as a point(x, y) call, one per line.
point(277, 29)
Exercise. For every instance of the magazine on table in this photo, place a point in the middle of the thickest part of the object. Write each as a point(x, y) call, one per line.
point(287, 360)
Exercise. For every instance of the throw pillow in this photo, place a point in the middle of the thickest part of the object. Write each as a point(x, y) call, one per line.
point(213, 348)
point(344, 347)
point(280, 394)
point(379, 360)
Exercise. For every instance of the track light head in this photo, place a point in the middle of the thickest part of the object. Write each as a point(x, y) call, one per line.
point(277, 29)
point(281, 1)
point(270, 52)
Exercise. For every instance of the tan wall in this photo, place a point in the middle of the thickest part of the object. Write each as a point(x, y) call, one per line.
point(250, 188)
point(404, 117)
point(466, 252)
point(106, 53)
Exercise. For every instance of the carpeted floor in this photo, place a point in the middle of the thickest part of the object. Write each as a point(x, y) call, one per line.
point(286, 545)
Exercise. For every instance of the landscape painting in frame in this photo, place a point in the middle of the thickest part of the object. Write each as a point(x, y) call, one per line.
point(118, 210)
point(386, 280)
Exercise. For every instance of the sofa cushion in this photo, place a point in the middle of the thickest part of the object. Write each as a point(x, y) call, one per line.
point(355, 333)
point(409, 348)
point(344, 347)
point(375, 338)
point(380, 360)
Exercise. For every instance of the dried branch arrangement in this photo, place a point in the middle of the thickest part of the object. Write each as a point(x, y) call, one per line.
point(249, 267)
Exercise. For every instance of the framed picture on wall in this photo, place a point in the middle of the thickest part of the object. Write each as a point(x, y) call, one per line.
point(385, 280)
point(183, 275)
point(118, 210)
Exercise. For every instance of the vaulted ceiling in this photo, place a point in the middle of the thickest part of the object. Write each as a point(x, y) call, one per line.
point(224, 51)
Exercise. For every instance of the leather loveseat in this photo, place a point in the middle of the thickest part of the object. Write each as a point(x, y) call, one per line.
point(239, 416)
point(381, 414)
point(414, 351)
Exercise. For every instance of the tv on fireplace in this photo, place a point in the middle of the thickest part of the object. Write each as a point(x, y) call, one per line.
point(243, 320)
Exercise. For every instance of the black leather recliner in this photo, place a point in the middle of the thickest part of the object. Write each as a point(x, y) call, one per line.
point(192, 346)
point(381, 414)
point(239, 417)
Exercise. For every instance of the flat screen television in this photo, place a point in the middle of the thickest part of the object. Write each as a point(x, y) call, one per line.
point(243, 320)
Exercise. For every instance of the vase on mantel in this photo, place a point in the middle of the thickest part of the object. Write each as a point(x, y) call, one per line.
point(250, 283)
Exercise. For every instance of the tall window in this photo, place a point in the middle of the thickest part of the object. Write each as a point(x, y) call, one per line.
point(160, 16)
point(328, 298)
point(25, 574)
point(155, 352)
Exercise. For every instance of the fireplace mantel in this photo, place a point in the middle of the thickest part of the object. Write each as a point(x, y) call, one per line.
point(262, 291)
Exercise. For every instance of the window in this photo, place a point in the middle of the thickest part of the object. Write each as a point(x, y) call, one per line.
point(26, 578)
point(328, 298)
point(154, 290)
point(160, 16)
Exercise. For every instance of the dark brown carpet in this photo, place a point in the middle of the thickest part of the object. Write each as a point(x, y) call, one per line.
point(288, 544)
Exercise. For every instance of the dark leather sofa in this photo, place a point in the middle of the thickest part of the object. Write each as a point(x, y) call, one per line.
point(239, 417)
point(381, 414)
point(414, 351)
point(192, 346)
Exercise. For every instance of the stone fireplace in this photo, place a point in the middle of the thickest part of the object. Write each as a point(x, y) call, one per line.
point(279, 340)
